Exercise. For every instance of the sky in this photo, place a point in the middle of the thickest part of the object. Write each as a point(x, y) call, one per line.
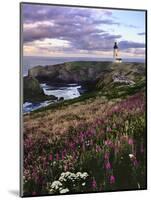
point(61, 31)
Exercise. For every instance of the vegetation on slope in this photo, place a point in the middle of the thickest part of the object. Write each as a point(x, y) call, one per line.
point(85, 144)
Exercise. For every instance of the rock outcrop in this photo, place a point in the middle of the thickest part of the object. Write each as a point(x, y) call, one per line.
point(33, 92)
point(85, 72)
point(78, 72)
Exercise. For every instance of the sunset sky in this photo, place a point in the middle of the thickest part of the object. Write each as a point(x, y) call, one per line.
point(56, 31)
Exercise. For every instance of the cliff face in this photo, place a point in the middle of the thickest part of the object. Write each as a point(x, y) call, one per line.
point(70, 72)
point(33, 92)
point(86, 71)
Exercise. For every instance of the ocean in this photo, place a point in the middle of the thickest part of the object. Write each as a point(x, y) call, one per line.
point(69, 91)
point(32, 61)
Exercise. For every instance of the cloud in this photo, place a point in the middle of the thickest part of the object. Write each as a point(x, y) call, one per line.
point(76, 25)
point(33, 13)
point(142, 33)
point(106, 21)
point(132, 26)
point(130, 44)
point(81, 28)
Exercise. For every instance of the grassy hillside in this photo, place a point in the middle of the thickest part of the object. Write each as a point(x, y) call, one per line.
point(98, 137)
point(85, 144)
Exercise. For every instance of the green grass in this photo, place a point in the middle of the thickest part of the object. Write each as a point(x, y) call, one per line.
point(106, 93)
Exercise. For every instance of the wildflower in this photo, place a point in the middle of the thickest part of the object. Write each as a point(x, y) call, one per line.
point(130, 141)
point(108, 129)
point(83, 184)
point(50, 157)
point(57, 156)
point(63, 191)
point(34, 193)
point(135, 162)
point(94, 185)
point(112, 179)
point(56, 184)
point(98, 149)
point(107, 165)
point(131, 156)
point(108, 143)
point(114, 125)
point(62, 155)
point(133, 159)
point(106, 156)
point(66, 167)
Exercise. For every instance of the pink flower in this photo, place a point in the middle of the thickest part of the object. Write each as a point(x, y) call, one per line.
point(107, 165)
point(57, 156)
point(106, 156)
point(65, 168)
point(94, 185)
point(108, 129)
point(98, 148)
point(108, 143)
point(63, 154)
point(112, 179)
point(50, 157)
point(135, 163)
point(130, 141)
point(114, 125)
point(33, 193)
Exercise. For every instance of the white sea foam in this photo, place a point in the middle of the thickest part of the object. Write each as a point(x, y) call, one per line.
point(65, 92)
point(68, 92)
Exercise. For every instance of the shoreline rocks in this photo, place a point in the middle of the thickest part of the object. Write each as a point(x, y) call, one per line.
point(33, 92)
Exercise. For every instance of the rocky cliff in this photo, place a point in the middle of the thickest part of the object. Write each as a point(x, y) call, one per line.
point(33, 92)
point(86, 71)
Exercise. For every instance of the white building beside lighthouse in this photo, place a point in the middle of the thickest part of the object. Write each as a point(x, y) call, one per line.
point(116, 57)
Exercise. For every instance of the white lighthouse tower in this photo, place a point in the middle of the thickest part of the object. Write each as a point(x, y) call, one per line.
point(116, 57)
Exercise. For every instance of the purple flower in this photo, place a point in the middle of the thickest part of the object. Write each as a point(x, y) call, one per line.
point(98, 149)
point(112, 179)
point(33, 193)
point(108, 143)
point(135, 162)
point(108, 129)
point(106, 156)
point(63, 154)
point(130, 141)
point(57, 156)
point(94, 185)
point(107, 165)
point(50, 157)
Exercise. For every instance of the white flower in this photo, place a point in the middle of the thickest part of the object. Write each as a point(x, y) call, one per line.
point(62, 179)
point(62, 174)
point(72, 176)
point(66, 174)
point(78, 174)
point(131, 156)
point(85, 175)
point(63, 191)
point(55, 185)
point(82, 175)
point(83, 184)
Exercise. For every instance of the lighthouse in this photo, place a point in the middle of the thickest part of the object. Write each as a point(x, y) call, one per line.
point(116, 57)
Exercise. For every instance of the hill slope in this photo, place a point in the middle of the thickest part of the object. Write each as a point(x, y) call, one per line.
point(86, 71)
